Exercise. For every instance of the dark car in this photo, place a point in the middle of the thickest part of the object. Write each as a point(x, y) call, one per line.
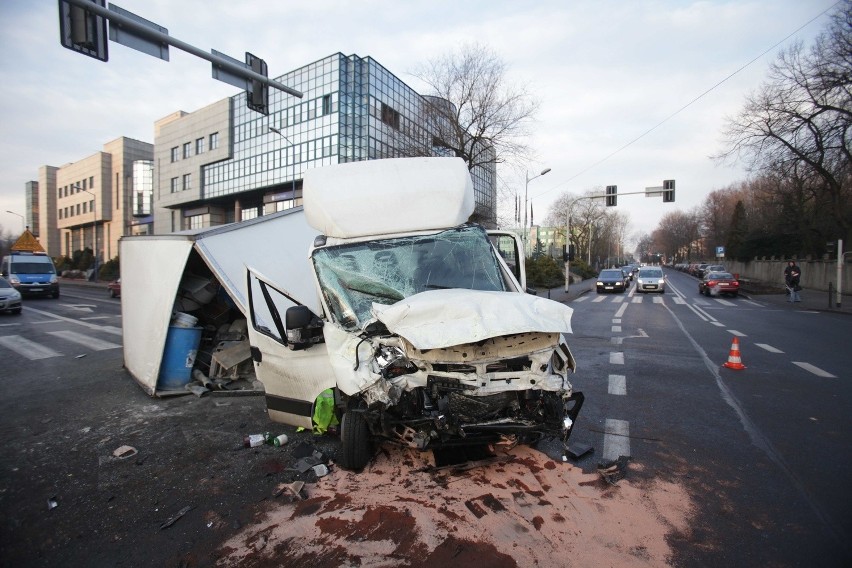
point(718, 283)
point(114, 288)
point(611, 280)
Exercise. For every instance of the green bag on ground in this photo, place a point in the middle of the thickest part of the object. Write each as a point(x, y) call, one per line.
point(324, 415)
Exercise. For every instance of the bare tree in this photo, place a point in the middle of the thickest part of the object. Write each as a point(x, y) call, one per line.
point(678, 236)
point(472, 111)
point(797, 127)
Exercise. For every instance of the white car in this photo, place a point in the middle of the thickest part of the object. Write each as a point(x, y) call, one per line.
point(650, 279)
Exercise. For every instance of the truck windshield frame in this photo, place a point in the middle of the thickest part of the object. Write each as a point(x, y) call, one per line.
point(354, 276)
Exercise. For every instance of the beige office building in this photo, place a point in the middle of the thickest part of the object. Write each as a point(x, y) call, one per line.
point(92, 202)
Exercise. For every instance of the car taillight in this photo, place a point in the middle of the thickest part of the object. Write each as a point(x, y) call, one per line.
point(711, 282)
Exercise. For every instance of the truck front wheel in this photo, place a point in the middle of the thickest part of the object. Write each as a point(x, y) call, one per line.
point(355, 441)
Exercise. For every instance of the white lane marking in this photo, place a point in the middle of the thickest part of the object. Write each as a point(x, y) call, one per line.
point(618, 385)
point(815, 370)
point(637, 300)
point(718, 323)
point(616, 439)
point(87, 308)
point(616, 321)
point(80, 339)
point(26, 348)
point(616, 340)
point(599, 299)
point(97, 318)
point(725, 302)
point(768, 348)
point(616, 358)
point(582, 299)
point(621, 309)
point(658, 299)
point(106, 329)
point(617, 299)
point(752, 303)
point(616, 329)
point(678, 300)
point(735, 332)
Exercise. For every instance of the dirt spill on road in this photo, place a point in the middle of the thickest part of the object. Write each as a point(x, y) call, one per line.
point(530, 511)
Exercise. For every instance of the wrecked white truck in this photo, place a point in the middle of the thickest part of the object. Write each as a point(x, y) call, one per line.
point(419, 325)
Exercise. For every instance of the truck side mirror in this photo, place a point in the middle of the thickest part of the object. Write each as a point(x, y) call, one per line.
point(303, 327)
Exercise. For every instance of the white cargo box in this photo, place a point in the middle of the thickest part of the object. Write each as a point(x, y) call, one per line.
point(380, 197)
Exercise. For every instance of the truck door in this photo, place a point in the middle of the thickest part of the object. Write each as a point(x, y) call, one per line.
point(510, 249)
point(293, 376)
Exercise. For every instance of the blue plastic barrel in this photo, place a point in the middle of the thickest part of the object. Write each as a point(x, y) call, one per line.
point(178, 357)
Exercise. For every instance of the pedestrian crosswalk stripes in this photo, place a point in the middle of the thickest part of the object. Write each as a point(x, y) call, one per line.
point(86, 341)
point(34, 350)
point(26, 348)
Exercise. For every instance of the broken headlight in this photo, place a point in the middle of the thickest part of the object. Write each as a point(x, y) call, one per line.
point(392, 362)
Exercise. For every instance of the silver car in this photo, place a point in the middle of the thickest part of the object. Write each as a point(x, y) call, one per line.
point(10, 299)
point(650, 279)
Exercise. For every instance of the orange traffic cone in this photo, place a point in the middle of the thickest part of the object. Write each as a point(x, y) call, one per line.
point(734, 361)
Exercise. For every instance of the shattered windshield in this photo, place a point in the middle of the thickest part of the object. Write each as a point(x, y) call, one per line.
point(354, 276)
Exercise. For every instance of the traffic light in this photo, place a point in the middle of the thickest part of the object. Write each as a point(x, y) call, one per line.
point(567, 256)
point(257, 95)
point(668, 191)
point(611, 197)
point(83, 31)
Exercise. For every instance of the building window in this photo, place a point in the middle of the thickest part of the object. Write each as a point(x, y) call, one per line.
point(92, 182)
point(187, 150)
point(175, 154)
point(187, 181)
point(326, 104)
point(85, 205)
point(78, 209)
point(195, 222)
point(390, 116)
point(174, 185)
point(199, 145)
point(84, 184)
point(214, 140)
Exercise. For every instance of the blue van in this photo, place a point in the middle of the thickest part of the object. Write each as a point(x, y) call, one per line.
point(31, 273)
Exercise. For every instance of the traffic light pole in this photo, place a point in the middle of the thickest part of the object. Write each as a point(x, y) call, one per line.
point(667, 191)
point(145, 31)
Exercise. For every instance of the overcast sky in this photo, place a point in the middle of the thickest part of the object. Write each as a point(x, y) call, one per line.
point(605, 72)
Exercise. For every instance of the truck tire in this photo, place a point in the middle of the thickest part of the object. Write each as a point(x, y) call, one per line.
point(354, 441)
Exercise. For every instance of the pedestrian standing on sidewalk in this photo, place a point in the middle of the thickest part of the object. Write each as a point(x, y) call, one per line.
point(792, 275)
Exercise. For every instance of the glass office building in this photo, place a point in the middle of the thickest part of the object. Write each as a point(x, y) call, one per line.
point(352, 109)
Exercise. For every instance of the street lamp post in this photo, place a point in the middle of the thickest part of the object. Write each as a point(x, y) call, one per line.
point(526, 195)
point(281, 134)
point(23, 225)
point(94, 226)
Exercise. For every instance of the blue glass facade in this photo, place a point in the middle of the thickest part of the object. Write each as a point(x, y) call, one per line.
point(352, 109)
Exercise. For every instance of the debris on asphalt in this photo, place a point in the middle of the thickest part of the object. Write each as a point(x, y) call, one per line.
point(52, 503)
point(197, 390)
point(320, 470)
point(577, 450)
point(124, 452)
point(293, 490)
point(80, 356)
point(172, 520)
point(613, 470)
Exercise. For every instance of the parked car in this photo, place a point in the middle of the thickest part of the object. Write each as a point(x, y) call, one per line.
point(10, 299)
point(650, 279)
point(611, 280)
point(717, 283)
point(114, 288)
point(700, 269)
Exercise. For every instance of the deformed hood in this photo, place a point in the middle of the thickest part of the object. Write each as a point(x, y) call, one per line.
point(443, 318)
